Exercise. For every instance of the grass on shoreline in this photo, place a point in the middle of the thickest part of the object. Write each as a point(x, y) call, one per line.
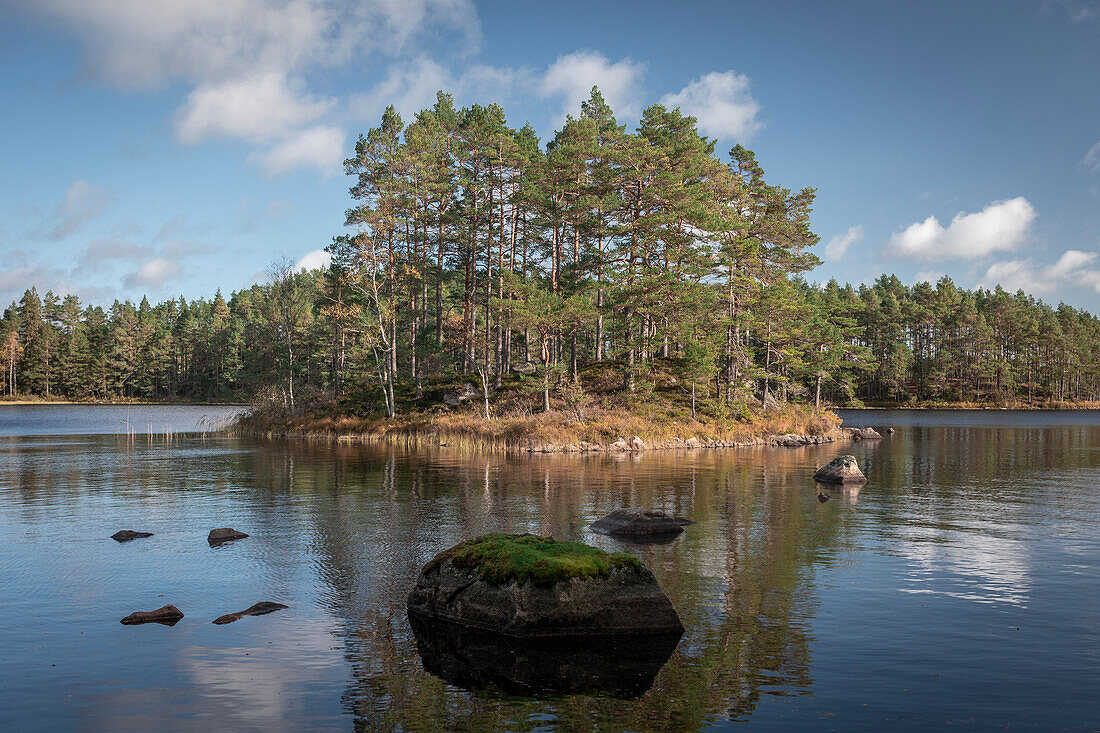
point(601, 426)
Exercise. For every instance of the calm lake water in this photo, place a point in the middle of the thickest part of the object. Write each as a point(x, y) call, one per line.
point(960, 587)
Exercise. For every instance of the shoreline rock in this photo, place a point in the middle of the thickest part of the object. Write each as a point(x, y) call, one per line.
point(471, 585)
point(166, 615)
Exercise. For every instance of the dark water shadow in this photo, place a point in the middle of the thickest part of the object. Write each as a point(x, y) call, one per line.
point(475, 660)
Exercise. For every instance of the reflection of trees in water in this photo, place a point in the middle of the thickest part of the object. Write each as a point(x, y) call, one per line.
point(740, 578)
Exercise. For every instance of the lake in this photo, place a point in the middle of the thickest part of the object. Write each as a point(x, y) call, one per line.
point(960, 587)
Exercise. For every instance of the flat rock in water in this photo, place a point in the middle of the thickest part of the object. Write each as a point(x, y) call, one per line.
point(528, 587)
point(125, 535)
point(840, 470)
point(260, 609)
point(639, 522)
point(864, 434)
point(167, 615)
point(224, 534)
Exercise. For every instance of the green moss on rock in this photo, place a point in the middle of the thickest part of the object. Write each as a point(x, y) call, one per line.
point(501, 558)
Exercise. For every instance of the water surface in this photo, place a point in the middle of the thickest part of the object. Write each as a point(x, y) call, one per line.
point(959, 587)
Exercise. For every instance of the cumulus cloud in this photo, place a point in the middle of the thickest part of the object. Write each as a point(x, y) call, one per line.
point(318, 147)
point(246, 60)
point(153, 273)
point(571, 78)
point(136, 44)
point(258, 107)
point(316, 260)
point(1091, 162)
point(722, 104)
point(82, 202)
point(1001, 226)
point(838, 244)
point(1074, 268)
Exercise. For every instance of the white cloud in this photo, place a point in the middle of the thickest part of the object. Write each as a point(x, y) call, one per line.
point(411, 86)
point(572, 77)
point(246, 60)
point(722, 104)
point(153, 273)
point(318, 147)
point(1073, 268)
point(256, 108)
point(1000, 227)
point(316, 260)
point(82, 202)
point(838, 244)
point(1091, 162)
point(136, 44)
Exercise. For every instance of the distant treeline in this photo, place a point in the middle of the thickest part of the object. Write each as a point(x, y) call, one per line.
point(477, 251)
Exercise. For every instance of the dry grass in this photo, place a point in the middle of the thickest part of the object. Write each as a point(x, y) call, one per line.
point(469, 430)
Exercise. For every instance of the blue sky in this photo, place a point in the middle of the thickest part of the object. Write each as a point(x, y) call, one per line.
point(178, 147)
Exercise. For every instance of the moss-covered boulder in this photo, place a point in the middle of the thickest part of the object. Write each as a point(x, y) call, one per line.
point(531, 587)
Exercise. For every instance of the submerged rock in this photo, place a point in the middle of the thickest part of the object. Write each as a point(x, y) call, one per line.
point(530, 587)
point(125, 535)
point(260, 609)
point(475, 659)
point(167, 615)
point(637, 522)
point(223, 535)
point(840, 470)
point(823, 497)
point(890, 431)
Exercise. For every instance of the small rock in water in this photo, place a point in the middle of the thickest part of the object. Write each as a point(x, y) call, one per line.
point(224, 534)
point(125, 535)
point(889, 431)
point(840, 470)
point(260, 609)
point(167, 615)
point(639, 522)
point(823, 497)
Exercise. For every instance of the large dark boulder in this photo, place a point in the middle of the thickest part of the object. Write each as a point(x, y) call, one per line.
point(841, 470)
point(531, 587)
point(168, 615)
point(260, 609)
point(639, 523)
point(125, 535)
point(475, 660)
point(223, 535)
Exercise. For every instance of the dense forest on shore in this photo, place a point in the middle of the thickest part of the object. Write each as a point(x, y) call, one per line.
point(603, 264)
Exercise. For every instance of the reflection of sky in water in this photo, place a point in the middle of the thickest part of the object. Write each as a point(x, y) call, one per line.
point(966, 565)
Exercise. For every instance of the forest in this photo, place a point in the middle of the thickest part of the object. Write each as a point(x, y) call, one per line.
point(604, 264)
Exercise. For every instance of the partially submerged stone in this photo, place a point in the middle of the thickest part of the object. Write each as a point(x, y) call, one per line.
point(125, 535)
point(531, 587)
point(224, 534)
point(864, 433)
point(636, 522)
point(260, 609)
point(473, 659)
point(167, 615)
point(840, 470)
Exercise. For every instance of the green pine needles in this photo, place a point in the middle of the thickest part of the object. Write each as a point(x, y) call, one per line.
point(502, 558)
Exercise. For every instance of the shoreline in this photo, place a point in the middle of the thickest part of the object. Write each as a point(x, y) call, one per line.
point(603, 430)
point(70, 403)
